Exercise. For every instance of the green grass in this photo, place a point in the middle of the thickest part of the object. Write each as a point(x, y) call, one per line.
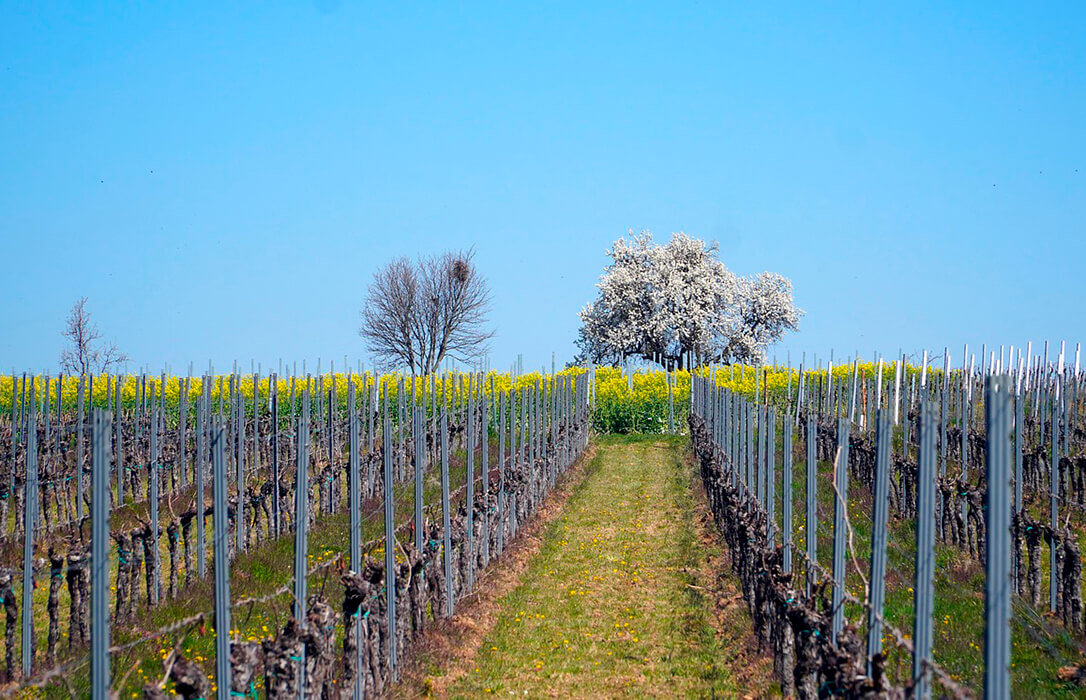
point(608, 606)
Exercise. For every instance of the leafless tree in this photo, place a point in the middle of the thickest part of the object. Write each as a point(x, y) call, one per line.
point(83, 355)
point(417, 314)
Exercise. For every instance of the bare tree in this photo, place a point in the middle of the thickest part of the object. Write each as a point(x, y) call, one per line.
point(83, 355)
point(417, 314)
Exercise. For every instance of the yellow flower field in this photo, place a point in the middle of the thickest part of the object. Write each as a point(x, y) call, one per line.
point(622, 403)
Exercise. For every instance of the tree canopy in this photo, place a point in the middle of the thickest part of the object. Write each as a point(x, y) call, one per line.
point(417, 314)
point(84, 355)
point(663, 302)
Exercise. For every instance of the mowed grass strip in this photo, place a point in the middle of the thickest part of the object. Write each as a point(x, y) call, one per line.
point(609, 607)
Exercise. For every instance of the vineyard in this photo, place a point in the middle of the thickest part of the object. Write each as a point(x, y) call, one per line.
point(330, 519)
point(894, 530)
point(937, 545)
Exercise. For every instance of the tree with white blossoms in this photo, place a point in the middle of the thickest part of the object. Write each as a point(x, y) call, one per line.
point(664, 302)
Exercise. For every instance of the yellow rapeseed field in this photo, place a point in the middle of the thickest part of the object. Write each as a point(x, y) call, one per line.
point(622, 403)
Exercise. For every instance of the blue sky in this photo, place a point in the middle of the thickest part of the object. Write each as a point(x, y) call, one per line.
point(221, 179)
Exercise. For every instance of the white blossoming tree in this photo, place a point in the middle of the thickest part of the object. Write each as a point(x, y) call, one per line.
point(663, 302)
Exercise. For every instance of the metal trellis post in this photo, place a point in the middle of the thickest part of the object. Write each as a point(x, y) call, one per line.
point(811, 524)
point(840, 515)
point(390, 544)
point(222, 563)
point(99, 593)
point(999, 582)
point(29, 531)
point(446, 517)
point(877, 594)
point(924, 591)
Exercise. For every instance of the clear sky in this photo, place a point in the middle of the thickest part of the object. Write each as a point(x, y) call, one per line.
point(221, 179)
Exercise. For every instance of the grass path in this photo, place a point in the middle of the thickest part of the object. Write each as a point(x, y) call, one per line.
point(613, 604)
